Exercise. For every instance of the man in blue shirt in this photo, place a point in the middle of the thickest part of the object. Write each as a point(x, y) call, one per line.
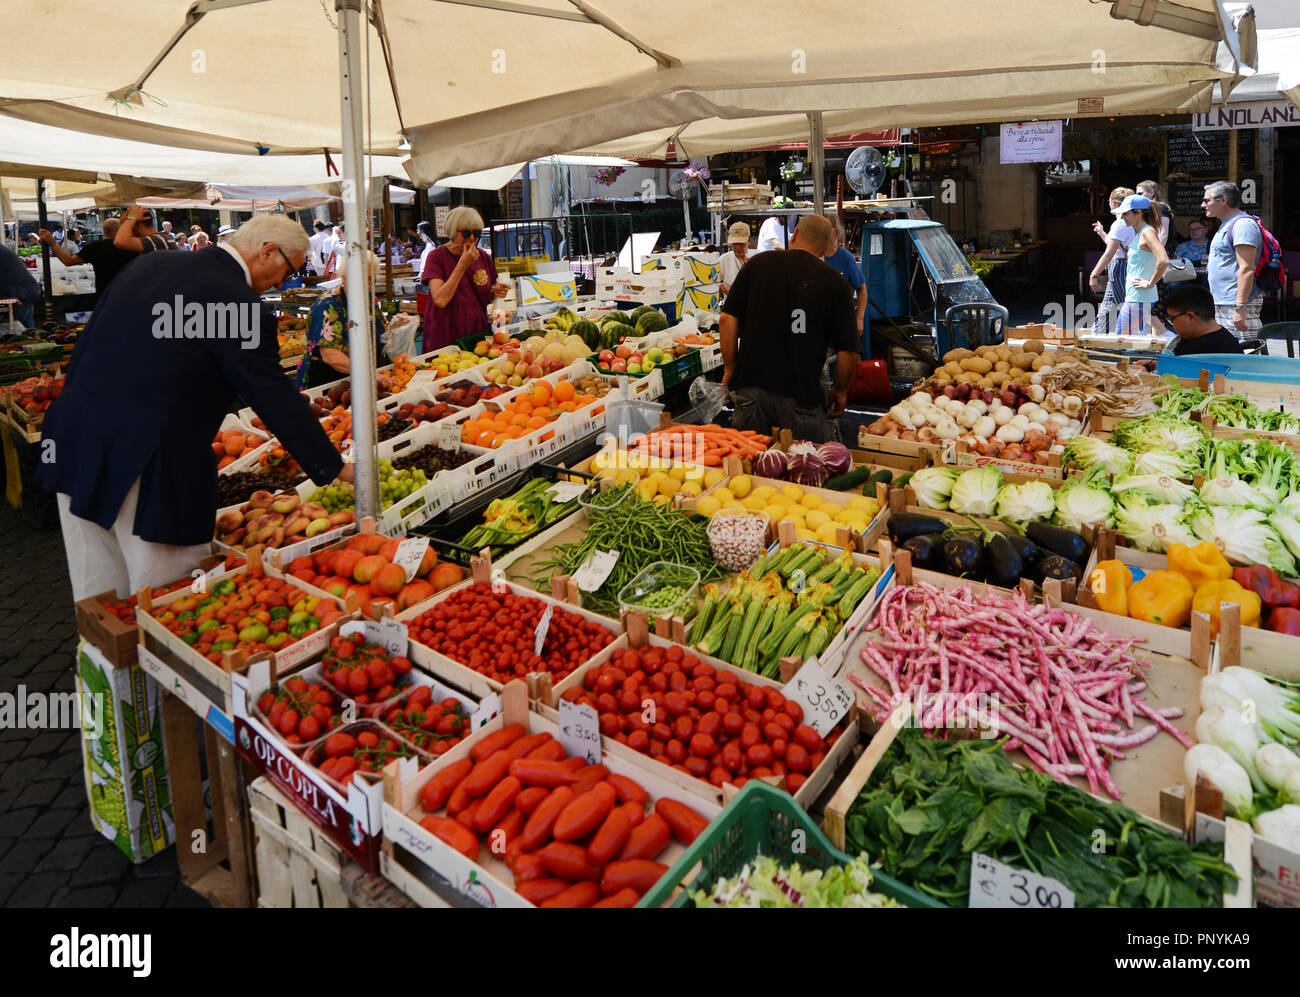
point(1230, 266)
point(841, 260)
point(17, 283)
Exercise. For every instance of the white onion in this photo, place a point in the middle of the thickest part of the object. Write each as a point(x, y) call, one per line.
point(1019, 421)
point(984, 427)
point(1011, 433)
point(1002, 415)
point(978, 405)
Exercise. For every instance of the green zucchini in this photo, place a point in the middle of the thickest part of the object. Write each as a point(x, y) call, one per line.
point(843, 482)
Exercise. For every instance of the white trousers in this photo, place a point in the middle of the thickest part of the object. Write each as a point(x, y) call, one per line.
point(101, 560)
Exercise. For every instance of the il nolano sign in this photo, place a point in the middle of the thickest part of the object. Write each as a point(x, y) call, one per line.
point(1253, 114)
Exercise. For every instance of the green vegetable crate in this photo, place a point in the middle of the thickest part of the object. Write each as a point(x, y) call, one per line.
point(761, 820)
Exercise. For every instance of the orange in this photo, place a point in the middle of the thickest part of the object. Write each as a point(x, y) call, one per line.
point(564, 391)
point(519, 420)
point(499, 439)
point(536, 422)
point(523, 406)
point(541, 392)
point(484, 439)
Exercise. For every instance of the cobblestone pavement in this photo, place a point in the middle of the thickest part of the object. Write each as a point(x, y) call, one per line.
point(50, 854)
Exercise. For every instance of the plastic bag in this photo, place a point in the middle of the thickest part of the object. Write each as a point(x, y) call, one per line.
point(708, 398)
point(400, 335)
point(628, 418)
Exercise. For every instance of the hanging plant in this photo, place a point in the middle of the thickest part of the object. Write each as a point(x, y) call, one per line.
point(792, 169)
point(606, 175)
point(701, 173)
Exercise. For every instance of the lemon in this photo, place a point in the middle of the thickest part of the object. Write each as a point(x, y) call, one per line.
point(792, 492)
point(691, 488)
point(754, 502)
point(599, 462)
point(712, 476)
point(678, 473)
point(805, 534)
point(827, 533)
point(669, 486)
point(649, 489)
point(817, 518)
point(707, 505)
point(663, 499)
point(628, 476)
point(774, 512)
point(740, 485)
point(766, 491)
point(872, 508)
point(724, 495)
point(811, 500)
point(733, 505)
point(858, 501)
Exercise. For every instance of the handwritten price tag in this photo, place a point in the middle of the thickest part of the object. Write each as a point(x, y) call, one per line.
point(410, 552)
point(580, 731)
point(388, 633)
point(595, 569)
point(449, 436)
point(567, 491)
point(993, 884)
point(488, 710)
point(543, 627)
point(824, 700)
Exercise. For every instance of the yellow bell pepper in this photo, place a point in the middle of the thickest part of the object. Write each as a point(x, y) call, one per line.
point(1209, 596)
point(1200, 564)
point(1163, 597)
point(1109, 582)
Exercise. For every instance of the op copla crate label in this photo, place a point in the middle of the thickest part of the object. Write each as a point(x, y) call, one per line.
point(125, 767)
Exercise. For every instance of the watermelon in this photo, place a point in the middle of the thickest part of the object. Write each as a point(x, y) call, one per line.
point(589, 331)
point(651, 321)
point(615, 332)
point(616, 316)
point(641, 310)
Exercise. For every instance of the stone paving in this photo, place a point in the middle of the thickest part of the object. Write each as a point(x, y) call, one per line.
point(50, 854)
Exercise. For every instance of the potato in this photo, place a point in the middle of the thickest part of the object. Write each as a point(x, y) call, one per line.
point(998, 379)
point(952, 369)
point(1022, 359)
point(969, 377)
point(1003, 352)
point(977, 364)
point(985, 351)
point(1002, 367)
point(956, 356)
point(987, 381)
point(1041, 361)
point(941, 379)
point(1033, 346)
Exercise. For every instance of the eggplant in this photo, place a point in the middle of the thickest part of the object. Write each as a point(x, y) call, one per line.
point(1026, 548)
point(1003, 560)
point(905, 525)
point(1054, 540)
point(1055, 566)
point(963, 557)
point(927, 551)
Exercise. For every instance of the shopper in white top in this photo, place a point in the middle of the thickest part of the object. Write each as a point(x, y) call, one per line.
point(321, 243)
point(775, 233)
point(731, 262)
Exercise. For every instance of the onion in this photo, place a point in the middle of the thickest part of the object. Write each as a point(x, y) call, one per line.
point(771, 464)
point(836, 457)
point(806, 466)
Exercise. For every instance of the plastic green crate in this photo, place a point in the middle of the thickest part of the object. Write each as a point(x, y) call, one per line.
point(761, 820)
point(682, 369)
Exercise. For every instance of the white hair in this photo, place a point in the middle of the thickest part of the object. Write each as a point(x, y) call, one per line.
point(279, 229)
point(459, 218)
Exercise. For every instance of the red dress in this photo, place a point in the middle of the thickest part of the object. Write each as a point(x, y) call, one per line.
point(466, 313)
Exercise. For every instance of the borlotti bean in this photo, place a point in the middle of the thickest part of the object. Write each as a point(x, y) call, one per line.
point(737, 540)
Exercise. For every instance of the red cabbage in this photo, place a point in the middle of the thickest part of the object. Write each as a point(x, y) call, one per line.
point(836, 457)
point(771, 464)
point(806, 466)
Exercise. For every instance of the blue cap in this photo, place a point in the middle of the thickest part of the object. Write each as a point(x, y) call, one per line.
point(1134, 202)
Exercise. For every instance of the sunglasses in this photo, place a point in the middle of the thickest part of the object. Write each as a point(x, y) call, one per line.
point(470, 233)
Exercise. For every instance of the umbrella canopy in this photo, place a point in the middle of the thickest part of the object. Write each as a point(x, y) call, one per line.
point(219, 197)
point(473, 84)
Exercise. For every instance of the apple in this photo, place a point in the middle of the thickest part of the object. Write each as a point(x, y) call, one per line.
point(647, 365)
point(536, 370)
point(623, 351)
point(619, 365)
point(527, 356)
point(481, 348)
point(655, 354)
point(636, 357)
point(605, 357)
point(515, 381)
point(507, 367)
point(501, 336)
point(633, 367)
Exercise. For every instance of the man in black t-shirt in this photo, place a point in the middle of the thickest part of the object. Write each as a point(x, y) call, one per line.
point(787, 309)
point(1191, 316)
point(106, 258)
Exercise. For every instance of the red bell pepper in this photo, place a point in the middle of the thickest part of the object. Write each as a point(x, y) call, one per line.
point(1285, 621)
point(1273, 592)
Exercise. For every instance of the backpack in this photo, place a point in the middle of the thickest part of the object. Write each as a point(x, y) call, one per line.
point(1270, 272)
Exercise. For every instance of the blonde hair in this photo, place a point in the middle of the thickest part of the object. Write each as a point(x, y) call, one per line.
point(459, 218)
point(1119, 193)
point(836, 224)
point(281, 230)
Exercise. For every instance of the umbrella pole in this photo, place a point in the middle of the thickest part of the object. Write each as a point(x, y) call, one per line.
point(44, 217)
point(360, 340)
point(817, 160)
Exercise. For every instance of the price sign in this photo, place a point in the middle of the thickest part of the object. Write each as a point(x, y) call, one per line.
point(449, 436)
point(488, 710)
point(949, 453)
point(388, 633)
point(410, 552)
point(580, 731)
point(825, 701)
point(993, 884)
point(543, 626)
point(595, 569)
point(567, 491)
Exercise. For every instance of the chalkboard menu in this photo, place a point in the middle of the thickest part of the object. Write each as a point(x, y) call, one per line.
point(1185, 197)
point(1205, 154)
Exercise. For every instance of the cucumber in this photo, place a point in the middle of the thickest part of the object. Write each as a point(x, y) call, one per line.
point(843, 482)
point(903, 479)
point(884, 474)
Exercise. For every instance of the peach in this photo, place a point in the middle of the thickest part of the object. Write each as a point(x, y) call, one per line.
point(368, 567)
point(231, 539)
point(317, 526)
point(286, 503)
point(261, 499)
point(235, 447)
point(313, 511)
point(343, 518)
point(388, 580)
point(230, 521)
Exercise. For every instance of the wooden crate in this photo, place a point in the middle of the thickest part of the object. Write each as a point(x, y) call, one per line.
point(297, 865)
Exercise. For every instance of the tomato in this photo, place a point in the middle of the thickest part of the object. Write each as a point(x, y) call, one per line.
point(496, 740)
point(584, 894)
point(759, 754)
point(703, 745)
point(683, 728)
point(454, 834)
point(309, 728)
point(731, 756)
point(340, 744)
point(773, 732)
point(498, 802)
point(756, 697)
point(638, 740)
point(639, 875)
point(797, 758)
point(794, 780)
point(538, 891)
point(809, 738)
point(540, 822)
point(609, 839)
point(568, 861)
point(793, 710)
point(732, 724)
point(676, 751)
point(750, 735)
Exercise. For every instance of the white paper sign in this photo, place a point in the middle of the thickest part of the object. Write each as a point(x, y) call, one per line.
point(580, 731)
point(567, 491)
point(449, 436)
point(410, 552)
point(1031, 142)
point(824, 700)
point(388, 633)
point(488, 710)
point(543, 626)
point(993, 884)
point(595, 569)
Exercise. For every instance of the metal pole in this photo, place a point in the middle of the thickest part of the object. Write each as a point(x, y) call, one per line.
point(361, 349)
point(44, 217)
point(388, 241)
point(817, 160)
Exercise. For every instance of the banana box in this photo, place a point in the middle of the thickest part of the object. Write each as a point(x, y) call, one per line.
point(536, 289)
point(699, 299)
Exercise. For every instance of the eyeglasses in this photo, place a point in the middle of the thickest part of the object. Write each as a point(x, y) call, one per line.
point(1175, 318)
point(287, 262)
point(470, 233)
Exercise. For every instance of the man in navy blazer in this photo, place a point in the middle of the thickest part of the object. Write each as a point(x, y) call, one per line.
point(128, 444)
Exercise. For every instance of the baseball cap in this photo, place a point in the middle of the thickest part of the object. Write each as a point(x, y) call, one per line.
point(1134, 202)
point(739, 232)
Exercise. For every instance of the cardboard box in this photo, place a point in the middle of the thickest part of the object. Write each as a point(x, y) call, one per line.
point(125, 766)
point(536, 289)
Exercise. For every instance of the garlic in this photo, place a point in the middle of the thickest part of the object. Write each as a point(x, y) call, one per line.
point(1036, 392)
point(1011, 433)
point(1002, 415)
point(984, 427)
point(967, 417)
point(947, 429)
point(978, 405)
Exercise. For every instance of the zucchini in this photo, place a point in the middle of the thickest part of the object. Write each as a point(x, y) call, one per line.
point(843, 482)
point(903, 479)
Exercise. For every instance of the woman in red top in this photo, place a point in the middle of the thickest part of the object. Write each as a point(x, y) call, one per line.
point(462, 282)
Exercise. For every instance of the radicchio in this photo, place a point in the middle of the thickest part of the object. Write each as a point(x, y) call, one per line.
point(771, 464)
point(836, 457)
point(806, 466)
